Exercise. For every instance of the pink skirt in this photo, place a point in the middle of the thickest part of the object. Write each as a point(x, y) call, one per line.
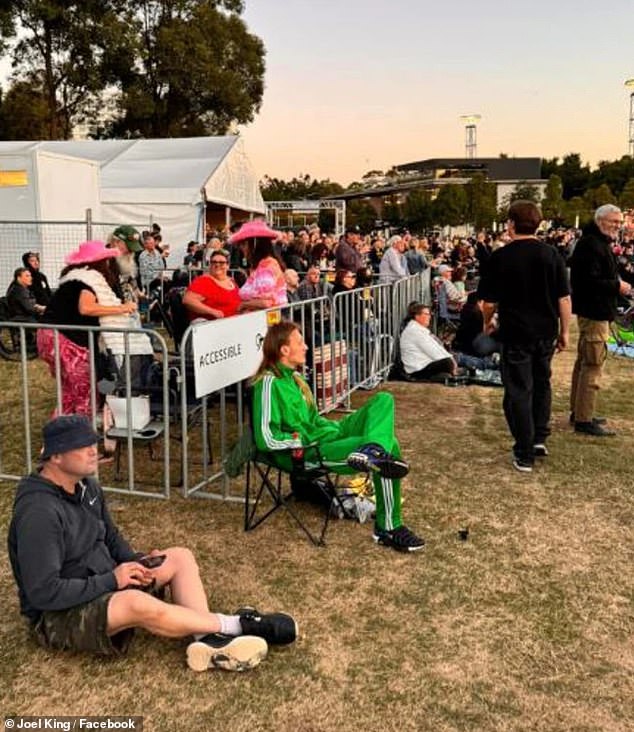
point(75, 371)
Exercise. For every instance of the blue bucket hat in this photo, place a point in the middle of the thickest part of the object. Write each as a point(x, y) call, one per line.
point(66, 433)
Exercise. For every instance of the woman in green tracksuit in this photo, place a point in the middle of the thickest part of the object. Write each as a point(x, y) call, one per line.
point(283, 405)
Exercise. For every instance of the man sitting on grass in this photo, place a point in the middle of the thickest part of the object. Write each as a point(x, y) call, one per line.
point(364, 441)
point(423, 355)
point(81, 586)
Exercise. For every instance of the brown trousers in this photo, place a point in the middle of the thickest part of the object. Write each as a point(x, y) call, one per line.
point(591, 354)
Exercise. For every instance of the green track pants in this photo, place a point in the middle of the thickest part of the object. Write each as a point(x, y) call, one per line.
point(373, 422)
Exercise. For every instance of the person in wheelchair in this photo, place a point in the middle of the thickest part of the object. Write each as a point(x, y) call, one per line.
point(22, 305)
point(20, 300)
point(285, 417)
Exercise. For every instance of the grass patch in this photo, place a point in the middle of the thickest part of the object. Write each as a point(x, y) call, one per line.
point(525, 626)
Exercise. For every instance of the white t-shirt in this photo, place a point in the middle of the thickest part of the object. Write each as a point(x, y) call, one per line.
point(419, 347)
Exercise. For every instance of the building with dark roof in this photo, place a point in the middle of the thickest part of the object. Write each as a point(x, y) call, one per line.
point(433, 173)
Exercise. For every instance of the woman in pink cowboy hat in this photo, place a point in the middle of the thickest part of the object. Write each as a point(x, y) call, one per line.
point(84, 295)
point(265, 286)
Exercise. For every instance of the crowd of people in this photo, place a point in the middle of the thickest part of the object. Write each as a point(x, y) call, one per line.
point(80, 584)
point(253, 266)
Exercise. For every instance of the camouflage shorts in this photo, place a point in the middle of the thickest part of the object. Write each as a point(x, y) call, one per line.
point(84, 628)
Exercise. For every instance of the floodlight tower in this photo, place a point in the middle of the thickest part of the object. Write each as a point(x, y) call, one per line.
point(471, 142)
point(629, 84)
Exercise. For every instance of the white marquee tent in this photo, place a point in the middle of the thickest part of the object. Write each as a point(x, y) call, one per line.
point(173, 182)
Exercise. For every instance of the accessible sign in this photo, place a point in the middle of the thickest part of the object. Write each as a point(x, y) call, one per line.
point(227, 350)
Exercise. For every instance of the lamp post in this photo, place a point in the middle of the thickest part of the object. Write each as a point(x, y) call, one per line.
point(470, 121)
point(629, 84)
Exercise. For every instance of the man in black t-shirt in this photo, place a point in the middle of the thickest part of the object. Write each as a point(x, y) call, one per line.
point(526, 282)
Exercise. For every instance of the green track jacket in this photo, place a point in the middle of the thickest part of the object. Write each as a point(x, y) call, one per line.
point(280, 407)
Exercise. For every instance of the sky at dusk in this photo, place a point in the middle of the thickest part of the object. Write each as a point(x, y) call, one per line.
point(353, 86)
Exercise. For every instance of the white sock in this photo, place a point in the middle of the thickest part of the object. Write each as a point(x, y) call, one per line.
point(230, 624)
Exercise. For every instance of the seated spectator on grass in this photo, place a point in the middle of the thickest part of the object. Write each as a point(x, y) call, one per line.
point(265, 284)
point(214, 294)
point(344, 280)
point(422, 354)
point(39, 286)
point(82, 587)
point(22, 306)
point(311, 286)
point(283, 406)
point(365, 277)
point(473, 347)
point(455, 298)
point(292, 284)
point(471, 337)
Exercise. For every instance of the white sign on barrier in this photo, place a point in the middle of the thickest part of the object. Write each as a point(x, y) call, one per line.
point(227, 350)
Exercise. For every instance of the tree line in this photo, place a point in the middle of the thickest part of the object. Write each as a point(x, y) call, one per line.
point(127, 68)
point(572, 192)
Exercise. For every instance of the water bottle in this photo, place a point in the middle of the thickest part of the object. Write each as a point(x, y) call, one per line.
point(297, 456)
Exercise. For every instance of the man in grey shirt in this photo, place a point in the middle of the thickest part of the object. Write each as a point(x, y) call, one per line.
point(393, 265)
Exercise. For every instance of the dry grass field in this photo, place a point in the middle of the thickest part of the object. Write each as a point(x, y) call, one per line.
point(527, 625)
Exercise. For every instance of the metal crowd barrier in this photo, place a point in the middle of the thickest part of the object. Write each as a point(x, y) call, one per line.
point(24, 436)
point(363, 327)
point(351, 343)
point(205, 468)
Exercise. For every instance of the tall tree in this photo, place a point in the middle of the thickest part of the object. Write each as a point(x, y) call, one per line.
point(481, 201)
point(418, 211)
point(361, 214)
point(574, 175)
point(298, 188)
point(525, 192)
point(392, 213)
point(626, 199)
point(522, 192)
point(576, 210)
point(24, 113)
point(613, 173)
point(61, 52)
point(595, 197)
point(553, 201)
point(198, 70)
point(450, 206)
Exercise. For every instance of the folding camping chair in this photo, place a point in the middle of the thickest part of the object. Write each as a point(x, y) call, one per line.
point(623, 331)
point(267, 479)
point(446, 321)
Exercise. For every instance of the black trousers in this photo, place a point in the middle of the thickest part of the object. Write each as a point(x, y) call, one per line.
point(527, 394)
point(443, 366)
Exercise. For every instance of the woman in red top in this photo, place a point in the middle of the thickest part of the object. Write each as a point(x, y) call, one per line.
point(215, 294)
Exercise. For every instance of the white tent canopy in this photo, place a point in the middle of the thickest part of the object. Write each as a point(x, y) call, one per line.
point(168, 180)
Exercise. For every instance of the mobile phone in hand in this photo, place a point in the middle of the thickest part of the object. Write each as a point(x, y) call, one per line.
point(152, 561)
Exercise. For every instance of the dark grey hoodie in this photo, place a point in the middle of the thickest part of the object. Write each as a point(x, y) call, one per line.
point(63, 548)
